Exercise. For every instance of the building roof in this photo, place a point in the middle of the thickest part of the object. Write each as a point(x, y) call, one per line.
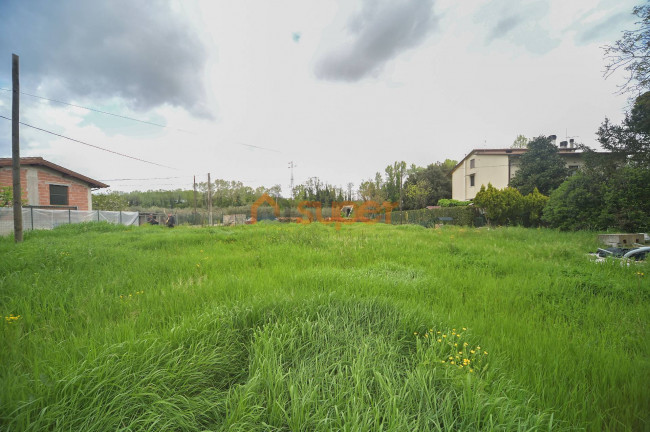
point(505, 151)
point(39, 161)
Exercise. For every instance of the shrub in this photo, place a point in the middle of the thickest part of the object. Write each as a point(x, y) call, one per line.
point(509, 207)
point(452, 203)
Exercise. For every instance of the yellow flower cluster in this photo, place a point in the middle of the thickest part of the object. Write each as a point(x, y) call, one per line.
point(451, 350)
point(12, 319)
point(125, 296)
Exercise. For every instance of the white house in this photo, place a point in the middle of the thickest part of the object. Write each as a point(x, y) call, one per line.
point(497, 166)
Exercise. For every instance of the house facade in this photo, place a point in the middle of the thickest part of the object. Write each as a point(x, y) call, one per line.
point(47, 185)
point(498, 167)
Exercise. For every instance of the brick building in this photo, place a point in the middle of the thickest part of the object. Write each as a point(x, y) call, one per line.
point(47, 185)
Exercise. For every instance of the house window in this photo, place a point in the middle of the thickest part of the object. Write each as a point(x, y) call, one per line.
point(58, 195)
point(573, 169)
point(471, 179)
point(471, 163)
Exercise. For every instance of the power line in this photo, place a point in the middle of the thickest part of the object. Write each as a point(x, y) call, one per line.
point(97, 111)
point(131, 118)
point(141, 179)
point(91, 145)
point(258, 147)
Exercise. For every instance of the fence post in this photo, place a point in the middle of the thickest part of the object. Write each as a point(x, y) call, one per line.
point(32, 216)
point(120, 217)
point(69, 216)
point(97, 215)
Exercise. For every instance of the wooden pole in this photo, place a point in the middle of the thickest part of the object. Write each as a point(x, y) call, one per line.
point(195, 213)
point(15, 150)
point(209, 201)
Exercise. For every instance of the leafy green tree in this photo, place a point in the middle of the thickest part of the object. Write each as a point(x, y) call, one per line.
point(632, 53)
point(501, 207)
point(630, 139)
point(114, 201)
point(6, 196)
point(509, 207)
point(520, 142)
point(589, 200)
point(435, 179)
point(540, 167)
point(533, 206)
point(418, 194)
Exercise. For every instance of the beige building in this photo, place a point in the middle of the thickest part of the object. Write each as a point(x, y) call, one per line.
point(496, 166)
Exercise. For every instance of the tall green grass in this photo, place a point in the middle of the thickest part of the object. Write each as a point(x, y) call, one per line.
point(305, 327)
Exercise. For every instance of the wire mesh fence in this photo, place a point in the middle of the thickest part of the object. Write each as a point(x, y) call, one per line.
point(36, 218)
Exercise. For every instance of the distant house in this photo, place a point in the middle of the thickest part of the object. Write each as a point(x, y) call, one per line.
point(497, 166)
point(47, 185)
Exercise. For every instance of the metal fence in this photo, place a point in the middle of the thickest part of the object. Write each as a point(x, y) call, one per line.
point(35, 218)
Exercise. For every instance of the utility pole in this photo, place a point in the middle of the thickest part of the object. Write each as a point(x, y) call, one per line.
point(292, 166)
point(15, 151)
point(209, 201)
point(195, 200)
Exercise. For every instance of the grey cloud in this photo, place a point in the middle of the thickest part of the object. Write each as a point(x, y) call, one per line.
point(379, 32)
point(604, 29)
point(503, 26)
point(142, 52)
point(520, 27)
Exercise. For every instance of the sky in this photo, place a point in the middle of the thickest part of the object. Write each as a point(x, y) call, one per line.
point(239, 89)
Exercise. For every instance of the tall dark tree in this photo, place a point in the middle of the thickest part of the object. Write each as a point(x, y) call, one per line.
point(425, 186)
point(630, 139)
point(541, 167)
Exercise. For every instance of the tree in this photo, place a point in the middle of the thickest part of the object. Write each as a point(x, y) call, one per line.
point(113, 201)
point(418, 194)
point(632, 53)
point(541, 167)
point(591, 200)
point(6, 196)
point(520, 142)
point(630, 139)
point(434, 179)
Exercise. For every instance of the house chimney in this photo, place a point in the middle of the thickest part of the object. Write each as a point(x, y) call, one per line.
point(563, 144)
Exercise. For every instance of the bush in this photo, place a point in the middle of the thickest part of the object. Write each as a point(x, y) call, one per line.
point(452, 203)
point(590, 200)
point(509, 207)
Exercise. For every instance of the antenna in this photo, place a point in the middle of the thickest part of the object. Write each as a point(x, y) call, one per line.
point(292, 166)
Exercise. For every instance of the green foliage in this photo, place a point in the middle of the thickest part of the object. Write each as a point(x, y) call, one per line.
point(532, 208)
point(6, 196)
point(520, 142)
point(114, 201)
point(630, 139)
point(509, 207)
point(540, 167)
point(433, 182)
point(463, 216)
point(291, 327)
point(423, 187)
point(591, 200)
point(452, 203)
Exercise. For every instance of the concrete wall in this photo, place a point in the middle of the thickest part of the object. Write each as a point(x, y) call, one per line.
point(495, 169)
point(487, 169)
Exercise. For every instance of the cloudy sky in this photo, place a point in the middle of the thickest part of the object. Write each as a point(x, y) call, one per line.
point(342, 88)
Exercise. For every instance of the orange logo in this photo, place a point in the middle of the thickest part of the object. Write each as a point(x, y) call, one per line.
point(344, 212)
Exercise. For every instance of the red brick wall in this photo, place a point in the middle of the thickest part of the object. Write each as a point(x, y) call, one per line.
point(6, 179)
point(77, 192)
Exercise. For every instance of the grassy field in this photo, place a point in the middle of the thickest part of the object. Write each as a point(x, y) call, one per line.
point(305, 328)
